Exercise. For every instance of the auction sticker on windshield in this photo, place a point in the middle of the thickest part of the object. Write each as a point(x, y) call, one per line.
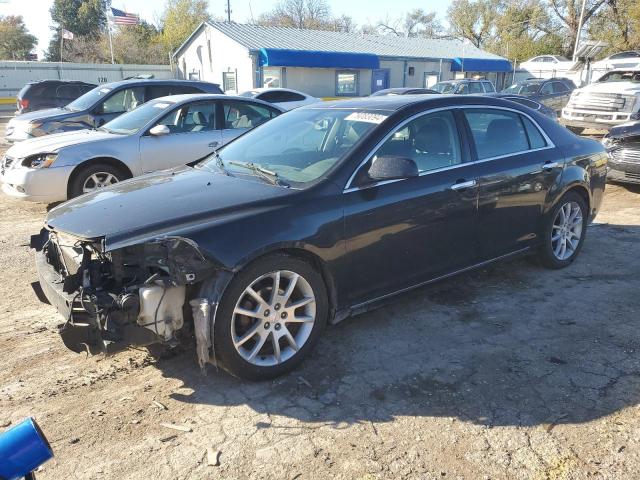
point(161, 105)
point(366, 117)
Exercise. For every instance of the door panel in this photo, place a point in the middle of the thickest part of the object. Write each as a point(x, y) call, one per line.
point(513, 183)
point(193, 135)
point(404, 233)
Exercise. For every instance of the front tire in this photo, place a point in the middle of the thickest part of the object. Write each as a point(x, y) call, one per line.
point(270, 317)
point(93, 177)
point(564, 231)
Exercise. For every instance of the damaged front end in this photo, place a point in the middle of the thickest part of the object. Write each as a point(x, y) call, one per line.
point(134, 296)
point(623, 147)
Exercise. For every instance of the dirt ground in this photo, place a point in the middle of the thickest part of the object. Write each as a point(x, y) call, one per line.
point(511, 372)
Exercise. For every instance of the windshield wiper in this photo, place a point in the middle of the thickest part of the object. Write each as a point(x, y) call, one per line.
point(271, 177)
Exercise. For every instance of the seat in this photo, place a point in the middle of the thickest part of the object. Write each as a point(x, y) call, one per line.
point(433, 146)
point(503, 136)
point(200, 121)
point(242, 122)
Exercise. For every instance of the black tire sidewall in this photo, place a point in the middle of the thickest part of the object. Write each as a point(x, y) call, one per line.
point(225, 352)
point(548, 258)
point(79, 178)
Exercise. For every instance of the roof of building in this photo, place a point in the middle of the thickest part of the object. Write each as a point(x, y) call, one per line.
point(256, 37)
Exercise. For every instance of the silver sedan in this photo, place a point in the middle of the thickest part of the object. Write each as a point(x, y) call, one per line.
point(163, 133)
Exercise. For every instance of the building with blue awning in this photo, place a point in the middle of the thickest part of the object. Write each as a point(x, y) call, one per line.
point(328, 64)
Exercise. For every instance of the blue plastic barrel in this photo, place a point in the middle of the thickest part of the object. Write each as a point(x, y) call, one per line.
point(23, 448)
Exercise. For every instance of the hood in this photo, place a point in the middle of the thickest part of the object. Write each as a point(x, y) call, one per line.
point(48, 114)
point(53, 143)
point(625, 130)
point(162, 203)
point(611, 87)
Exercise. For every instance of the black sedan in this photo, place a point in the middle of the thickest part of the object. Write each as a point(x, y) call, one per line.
point(623, 144)
point(553, 92)
point(324, 212)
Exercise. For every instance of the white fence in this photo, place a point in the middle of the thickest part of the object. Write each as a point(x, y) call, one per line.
point(14, 75)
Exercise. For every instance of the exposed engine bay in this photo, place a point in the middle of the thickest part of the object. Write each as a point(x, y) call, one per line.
point(135, 296)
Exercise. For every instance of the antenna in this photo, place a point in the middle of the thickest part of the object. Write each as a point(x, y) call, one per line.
point(228, 10)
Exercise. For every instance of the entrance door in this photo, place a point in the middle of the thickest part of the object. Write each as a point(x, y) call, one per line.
point(430, 79)
point(379, 79)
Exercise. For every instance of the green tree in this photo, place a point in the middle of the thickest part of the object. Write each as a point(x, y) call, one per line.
point(139, 44)
point(15, 40)
point(180, 19)
point(474, 20)
point(84, 18)
point(618, 24)
point(567, 14)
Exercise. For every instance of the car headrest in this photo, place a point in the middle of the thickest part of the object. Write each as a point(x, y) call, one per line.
point(433, 138)
point(199, 118)
point(501, 130)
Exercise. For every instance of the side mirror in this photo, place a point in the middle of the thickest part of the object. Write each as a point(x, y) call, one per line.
point(160, 131)
point(392, 168)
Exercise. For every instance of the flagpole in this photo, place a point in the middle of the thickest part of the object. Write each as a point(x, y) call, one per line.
point(110, 40)
point(61, 42)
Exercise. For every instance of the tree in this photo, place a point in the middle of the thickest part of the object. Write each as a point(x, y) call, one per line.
point(309, 14)
point(618, 24)
point(416, 23)
point(139, 44)
point(84, 18)
point(15, 40)
point(473, 20)
point(180, 19)
point(567, 12)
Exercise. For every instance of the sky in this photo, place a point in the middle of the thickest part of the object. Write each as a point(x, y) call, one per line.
point(37, 19)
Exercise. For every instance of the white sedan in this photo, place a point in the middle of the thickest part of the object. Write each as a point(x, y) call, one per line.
point(282, 97)
point(163, 133)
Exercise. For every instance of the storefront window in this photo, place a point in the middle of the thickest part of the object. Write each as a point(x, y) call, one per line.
point(272, 77)
point(346, 83)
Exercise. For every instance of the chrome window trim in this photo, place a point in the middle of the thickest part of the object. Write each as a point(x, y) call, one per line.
point(348, 188)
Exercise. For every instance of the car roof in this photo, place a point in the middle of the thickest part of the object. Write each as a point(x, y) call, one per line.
point(57, 80)
point(392, 103)
point(155, 81)
point(190, 97)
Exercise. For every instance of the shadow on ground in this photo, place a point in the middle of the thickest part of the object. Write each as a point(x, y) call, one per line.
point(513, 344)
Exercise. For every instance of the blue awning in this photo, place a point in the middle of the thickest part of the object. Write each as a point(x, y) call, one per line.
point(298, 58)
point(481, 65)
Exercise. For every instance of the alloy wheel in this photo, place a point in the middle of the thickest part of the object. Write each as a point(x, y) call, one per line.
point(273, 318)
point(98, 180)
point(566, 230)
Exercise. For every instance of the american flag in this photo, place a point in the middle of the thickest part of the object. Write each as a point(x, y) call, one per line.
point(123, 18)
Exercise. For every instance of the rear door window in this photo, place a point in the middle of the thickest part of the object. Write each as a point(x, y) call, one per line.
point(242, 115)
point(488, 87)
point(496, 132)
point(559, 87)
point(475, 87)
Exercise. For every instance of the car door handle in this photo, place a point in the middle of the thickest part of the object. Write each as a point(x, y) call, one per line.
point(461, 185)
point(213, 144)
point(549, 165)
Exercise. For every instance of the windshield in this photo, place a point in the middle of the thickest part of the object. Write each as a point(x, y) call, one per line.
point(523, 88)
point(298, 147)
point(89, 99)
point(444, 87)
point(131, 122)
point(621, 76)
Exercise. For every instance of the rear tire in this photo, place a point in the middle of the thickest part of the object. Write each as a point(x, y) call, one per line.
point(93, 177)
point(272, 336)
point(564, 231)
point(576, 130)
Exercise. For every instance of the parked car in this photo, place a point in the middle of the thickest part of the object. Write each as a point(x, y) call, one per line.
point(319, 214)
point(49, 94)
point(464, 86)
point(553, 92)
point(282, 97)
point(160, 134)
point(527, 102)
point(546, 64)
point(99, 106)
point(404, 91)
point(612, 100)
point(627, 59)
point(623, 145)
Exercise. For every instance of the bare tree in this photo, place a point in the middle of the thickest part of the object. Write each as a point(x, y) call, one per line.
point(312, 14)
point(568, 13)
point(416, 23)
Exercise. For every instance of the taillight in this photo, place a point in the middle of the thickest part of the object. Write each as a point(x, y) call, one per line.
point(24, 103)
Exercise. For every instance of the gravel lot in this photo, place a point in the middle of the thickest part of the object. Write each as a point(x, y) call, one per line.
point(511, 372)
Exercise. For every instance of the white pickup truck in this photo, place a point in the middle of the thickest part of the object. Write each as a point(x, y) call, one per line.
point(613, 99)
